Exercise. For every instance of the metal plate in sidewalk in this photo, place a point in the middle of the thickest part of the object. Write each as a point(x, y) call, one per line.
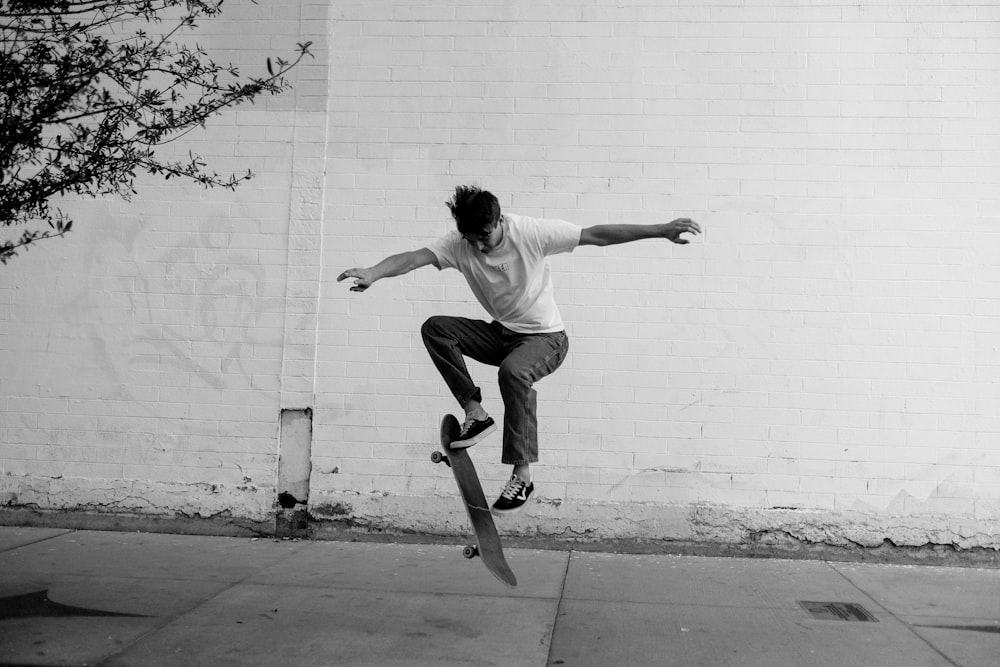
point(838, 611)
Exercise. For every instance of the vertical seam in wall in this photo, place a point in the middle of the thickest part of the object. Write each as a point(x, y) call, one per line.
point(328, 28)
point(294, 197)
point(292, 194)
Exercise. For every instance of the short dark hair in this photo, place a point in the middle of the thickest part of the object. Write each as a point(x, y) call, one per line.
point(475, 211)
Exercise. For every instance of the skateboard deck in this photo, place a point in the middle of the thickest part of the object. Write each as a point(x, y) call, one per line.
point(488, 545)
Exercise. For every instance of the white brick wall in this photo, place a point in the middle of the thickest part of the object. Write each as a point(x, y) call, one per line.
point(145, 356)
point(829, 343)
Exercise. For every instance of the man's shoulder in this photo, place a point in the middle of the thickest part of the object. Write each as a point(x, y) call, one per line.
point(526, 225)
point(543, 227)
point(520, 220)
point(447, 247)
point(446, 240)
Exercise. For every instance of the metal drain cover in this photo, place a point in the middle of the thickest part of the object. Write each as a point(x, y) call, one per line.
point(838, 611)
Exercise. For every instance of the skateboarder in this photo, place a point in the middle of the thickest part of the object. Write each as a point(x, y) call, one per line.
point(503, 257)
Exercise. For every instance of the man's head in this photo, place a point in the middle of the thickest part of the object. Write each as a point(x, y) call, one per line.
point(477, 214)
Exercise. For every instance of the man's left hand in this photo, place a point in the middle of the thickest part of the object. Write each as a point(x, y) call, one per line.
point(673, 230)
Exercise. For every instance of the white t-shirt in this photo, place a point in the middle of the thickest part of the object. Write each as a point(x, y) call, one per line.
point(513, 282)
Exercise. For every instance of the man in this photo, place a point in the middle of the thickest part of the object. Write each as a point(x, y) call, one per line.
point(504, 260)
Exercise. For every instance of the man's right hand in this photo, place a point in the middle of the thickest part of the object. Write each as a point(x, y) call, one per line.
point(363, 278)
point(394, 265)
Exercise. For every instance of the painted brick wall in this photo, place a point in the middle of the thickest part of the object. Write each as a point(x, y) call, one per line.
point(145, 357)
point(829, 344)
point(822, 363)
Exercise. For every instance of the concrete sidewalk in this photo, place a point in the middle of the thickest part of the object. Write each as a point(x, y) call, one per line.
point(103, 598)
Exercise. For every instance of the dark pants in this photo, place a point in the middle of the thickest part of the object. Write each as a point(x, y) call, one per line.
point(523, 359)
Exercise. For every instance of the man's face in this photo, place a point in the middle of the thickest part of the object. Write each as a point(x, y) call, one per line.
point(487, 242)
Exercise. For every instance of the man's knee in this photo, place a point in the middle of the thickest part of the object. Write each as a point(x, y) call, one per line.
point(514, 375)
point(432, 326)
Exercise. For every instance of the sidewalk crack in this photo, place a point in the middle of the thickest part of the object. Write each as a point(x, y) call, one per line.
point(559, 607)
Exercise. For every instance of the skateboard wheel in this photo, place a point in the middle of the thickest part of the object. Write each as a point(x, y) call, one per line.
point(437, 457)
point(470, 551)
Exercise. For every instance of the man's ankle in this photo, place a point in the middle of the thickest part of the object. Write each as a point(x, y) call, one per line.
point(476, 411)
point(523, 472)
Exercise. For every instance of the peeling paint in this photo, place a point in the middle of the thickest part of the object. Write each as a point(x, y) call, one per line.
point(751, 532)
point(159, 499)
point(549, 522)
point(330, 510)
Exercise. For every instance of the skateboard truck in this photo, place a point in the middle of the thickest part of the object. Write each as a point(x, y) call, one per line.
point(438, 457)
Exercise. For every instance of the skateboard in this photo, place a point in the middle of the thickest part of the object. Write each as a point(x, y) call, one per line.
point(487, 545)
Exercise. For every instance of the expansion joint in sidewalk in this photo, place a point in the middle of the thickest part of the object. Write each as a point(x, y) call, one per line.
point(559, 606)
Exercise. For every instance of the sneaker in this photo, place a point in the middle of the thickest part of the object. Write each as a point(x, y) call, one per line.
point(472, 431)
point(514, 495)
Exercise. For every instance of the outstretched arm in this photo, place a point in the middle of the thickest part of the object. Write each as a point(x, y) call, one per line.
point(601, 235)
point(395, 265)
